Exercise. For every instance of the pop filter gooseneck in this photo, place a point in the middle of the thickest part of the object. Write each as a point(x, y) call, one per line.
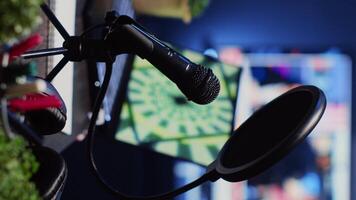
point(94, 168)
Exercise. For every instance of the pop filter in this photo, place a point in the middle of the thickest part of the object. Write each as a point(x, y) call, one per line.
point(269, 134)
point(261, 141)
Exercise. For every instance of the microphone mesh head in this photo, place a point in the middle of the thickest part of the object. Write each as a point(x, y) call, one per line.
point(206, 86)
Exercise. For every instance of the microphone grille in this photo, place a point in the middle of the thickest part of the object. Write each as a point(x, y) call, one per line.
point(207, 86)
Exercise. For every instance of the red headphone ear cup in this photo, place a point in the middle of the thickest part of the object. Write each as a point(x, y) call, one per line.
point(50, 120)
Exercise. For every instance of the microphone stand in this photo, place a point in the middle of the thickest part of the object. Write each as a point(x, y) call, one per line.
point(78, 48)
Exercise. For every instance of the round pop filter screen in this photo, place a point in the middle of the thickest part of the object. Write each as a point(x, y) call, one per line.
point(270, 133)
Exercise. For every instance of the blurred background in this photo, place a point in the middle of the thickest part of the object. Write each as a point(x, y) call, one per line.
point(258, 49)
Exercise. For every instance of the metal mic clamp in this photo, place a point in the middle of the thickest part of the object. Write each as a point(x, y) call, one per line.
point(75, 48)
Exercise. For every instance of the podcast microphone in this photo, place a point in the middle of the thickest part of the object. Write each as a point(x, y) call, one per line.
point(125, 35)
point(196, 82)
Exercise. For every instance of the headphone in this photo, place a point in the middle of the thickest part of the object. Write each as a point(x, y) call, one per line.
point(50, 120)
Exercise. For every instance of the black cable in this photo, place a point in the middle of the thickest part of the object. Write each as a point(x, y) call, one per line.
point(94, 168)
point(92, 123)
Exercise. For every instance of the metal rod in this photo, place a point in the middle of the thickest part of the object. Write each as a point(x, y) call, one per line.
point(55, 21)
point(44, 52)
point(57, 69)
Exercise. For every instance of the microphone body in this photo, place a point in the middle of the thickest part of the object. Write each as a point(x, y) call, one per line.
point(197, 83)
